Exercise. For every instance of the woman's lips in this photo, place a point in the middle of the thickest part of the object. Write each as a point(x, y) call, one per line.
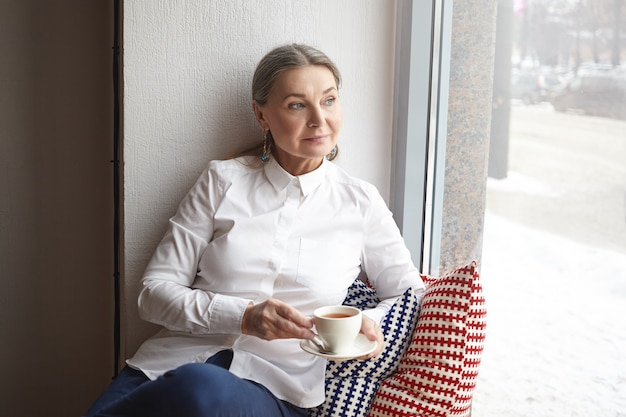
point(317, 138)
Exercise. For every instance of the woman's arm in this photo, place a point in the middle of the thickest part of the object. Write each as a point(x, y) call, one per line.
point(167, 296)
point(168, 299)
point(386, 259)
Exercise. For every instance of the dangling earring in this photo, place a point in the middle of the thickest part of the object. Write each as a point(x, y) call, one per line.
point(266, 148)
point(333, 153)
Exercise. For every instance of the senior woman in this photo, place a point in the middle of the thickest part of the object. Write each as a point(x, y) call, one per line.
point(259, 242)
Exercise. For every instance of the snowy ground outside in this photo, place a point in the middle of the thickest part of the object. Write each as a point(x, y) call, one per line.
point(554, 271)
point(556, 335)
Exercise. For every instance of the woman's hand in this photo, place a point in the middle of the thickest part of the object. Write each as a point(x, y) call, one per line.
point(372, 331)
point(274, 319)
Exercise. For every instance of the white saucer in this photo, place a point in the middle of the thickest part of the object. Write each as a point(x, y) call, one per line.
point(362, 346)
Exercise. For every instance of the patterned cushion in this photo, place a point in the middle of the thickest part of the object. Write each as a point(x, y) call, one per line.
point(438, 374)
point(351, 384)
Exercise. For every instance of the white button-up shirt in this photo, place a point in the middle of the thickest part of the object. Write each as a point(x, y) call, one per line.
point(246, 232)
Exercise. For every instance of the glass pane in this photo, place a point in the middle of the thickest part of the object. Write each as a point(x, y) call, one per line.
point(554, 255)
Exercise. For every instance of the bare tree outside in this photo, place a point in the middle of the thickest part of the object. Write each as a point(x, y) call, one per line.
point(566, 33)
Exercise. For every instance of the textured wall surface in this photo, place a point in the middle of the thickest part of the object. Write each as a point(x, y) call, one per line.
point(469, 124)
point(188, 66)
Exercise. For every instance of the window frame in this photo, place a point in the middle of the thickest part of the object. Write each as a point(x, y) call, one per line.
point(421, 86)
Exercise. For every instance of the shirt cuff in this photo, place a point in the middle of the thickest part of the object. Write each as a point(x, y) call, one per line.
point(226, 314)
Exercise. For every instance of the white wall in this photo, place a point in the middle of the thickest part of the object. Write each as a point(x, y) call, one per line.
point(187, 71)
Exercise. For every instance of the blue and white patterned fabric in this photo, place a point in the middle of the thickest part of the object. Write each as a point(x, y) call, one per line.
point(352, 384)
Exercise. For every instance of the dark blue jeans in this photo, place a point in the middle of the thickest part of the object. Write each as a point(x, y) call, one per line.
point(192, 390)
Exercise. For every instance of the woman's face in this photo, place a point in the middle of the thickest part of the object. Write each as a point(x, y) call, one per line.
point(303, 114)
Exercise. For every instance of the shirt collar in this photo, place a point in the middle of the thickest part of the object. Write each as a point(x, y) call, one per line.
point(280, 179)
point(311, 180)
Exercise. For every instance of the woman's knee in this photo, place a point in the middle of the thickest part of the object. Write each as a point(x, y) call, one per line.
point(200, 388)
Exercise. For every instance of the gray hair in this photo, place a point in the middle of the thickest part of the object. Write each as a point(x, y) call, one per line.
point(283, 58)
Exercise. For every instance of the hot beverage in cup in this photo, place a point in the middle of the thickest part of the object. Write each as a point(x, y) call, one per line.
point(337, 327)
point(336, 316)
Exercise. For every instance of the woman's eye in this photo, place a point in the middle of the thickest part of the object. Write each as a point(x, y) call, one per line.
point(330, 101)
point(296, 106)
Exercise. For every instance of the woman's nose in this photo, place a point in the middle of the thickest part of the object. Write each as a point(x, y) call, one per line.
point(316, 118)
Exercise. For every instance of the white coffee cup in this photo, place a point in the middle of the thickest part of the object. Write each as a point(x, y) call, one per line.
point(338, 327)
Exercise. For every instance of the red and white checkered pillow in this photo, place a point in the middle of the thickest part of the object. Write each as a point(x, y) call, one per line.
point(437, 376)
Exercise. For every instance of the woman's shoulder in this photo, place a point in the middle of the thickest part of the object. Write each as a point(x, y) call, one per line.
point(222, 172)
point(359, 191)
point(235, 166)
point(341, 176)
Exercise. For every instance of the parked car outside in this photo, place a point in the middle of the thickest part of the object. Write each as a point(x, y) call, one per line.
point(526, 86)
point(596, 94)
point(533, 86)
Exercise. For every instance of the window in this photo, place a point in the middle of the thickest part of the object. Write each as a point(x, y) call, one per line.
point(421, 90)
point(554, 254)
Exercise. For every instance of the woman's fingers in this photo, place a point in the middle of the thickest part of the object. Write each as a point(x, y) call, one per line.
point(373, 332)
point(274, 319)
